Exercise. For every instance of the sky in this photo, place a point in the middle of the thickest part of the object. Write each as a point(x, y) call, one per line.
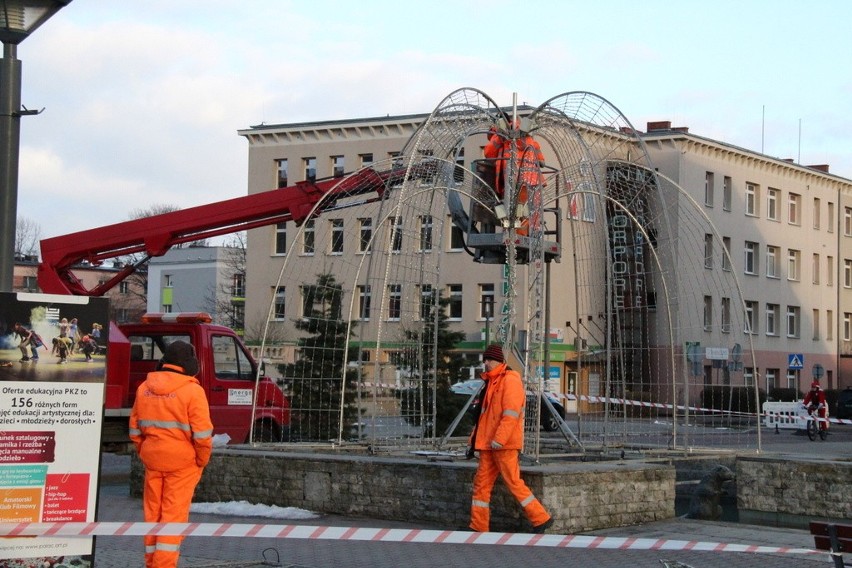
point(143, 98)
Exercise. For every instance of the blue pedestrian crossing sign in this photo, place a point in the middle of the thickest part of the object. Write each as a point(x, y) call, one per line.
point(795, 361)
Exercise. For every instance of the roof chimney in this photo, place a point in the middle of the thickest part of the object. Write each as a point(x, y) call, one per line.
point(660, 125)
point(820, 167)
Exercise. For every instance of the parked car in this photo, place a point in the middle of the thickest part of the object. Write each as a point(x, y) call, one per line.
point(548, 421)
point(844, 404)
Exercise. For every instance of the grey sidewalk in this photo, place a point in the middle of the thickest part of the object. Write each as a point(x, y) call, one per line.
point(197, 552)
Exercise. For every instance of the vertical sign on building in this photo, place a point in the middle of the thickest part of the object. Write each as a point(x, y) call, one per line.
point(51, 404)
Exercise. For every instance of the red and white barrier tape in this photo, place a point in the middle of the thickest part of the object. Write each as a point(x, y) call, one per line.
point(308, 532)
point(614, 400)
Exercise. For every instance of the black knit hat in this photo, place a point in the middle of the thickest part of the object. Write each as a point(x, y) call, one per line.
point(182, 354)
point(494, 352)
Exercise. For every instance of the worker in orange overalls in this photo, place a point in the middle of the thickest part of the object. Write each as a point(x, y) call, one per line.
point(171, 429)
point(498, 437)
point(528, 158)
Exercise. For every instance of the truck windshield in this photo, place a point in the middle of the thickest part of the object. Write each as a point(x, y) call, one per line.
point(230, 360)
point(151, 347)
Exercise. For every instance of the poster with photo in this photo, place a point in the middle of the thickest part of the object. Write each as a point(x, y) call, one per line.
point(52, 372)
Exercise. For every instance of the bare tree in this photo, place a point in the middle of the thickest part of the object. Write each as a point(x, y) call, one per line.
point(227, 302)
point(27, 237)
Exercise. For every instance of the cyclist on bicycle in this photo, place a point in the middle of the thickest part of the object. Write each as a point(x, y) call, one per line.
point(815, 401)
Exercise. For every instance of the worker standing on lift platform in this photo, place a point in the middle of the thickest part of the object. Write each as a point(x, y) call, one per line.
point(525, 152)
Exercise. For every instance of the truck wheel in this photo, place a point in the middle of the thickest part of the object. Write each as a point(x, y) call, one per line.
point(267, 432)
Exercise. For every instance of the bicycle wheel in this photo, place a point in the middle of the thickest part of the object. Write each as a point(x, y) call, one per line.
point(823, 434)
point(812, 429)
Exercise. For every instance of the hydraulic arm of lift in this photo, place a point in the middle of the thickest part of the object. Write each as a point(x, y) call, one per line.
point(155, 235)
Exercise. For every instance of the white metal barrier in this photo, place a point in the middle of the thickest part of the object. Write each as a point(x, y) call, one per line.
point(792, 415)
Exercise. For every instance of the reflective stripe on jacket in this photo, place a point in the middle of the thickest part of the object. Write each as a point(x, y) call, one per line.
point(502, 416)
point(170, 422)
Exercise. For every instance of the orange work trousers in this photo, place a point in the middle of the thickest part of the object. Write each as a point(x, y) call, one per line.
point(166, 499)
point(505, 464)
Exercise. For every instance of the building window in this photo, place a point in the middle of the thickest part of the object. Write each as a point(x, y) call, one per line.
point(772, 268)
point(458, 171)
point(748, 376)
point(309, 237)
point(847, 326)
point(364, 301)
point(815, 268)
point(455, 305)
point(792, 378)
point(726, 254)
point(238, 285)
point(830, 215)
point(310, 169)
point(167, 308)
point(396, 234)
point(726, 315)
point(394, 301)
point(708, 250)
point(847, 222)
point(123, 287)
point(708, 313)
point(794, 259)
point(772, 315)
point(338, 166)
point(456, 237)
point(279, 309)
point(365, 240)
point(282, 172)
point(708, 189)
point(816, 213)
point(847, 273)
point(772, 204)
point(307, 302)
point(168, 282)
point(793, 321)
point(751, 310)
point(486, 301)
point(281, 238)
point(427, 300)
point(771, 379)
point(336, 244)
point(727, 190)
point(752, 196)
point(365, 159)
point(751, 251)
point(794, 209)
point(829, 271)
point(425, 233)
point(829, 325)
point(815, 318)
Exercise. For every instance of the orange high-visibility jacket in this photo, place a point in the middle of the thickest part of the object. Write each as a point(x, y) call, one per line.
point(528, 155)
point(502, 416)
point(170, 421)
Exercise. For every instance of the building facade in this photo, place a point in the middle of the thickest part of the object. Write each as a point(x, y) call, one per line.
point(780, 230)
point(199, 279)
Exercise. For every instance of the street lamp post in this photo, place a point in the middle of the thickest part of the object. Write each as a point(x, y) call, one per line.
point(18, 19)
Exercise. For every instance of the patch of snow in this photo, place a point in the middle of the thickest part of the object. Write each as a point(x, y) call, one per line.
point(246, 509)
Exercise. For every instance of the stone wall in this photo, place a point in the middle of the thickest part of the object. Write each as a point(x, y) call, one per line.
point(580, 496)
point(784, 492)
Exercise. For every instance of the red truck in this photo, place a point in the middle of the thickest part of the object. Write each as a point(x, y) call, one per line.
point(227, 373)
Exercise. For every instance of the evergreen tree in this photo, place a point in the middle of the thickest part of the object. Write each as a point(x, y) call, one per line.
point(318, 375)
point(451, 367)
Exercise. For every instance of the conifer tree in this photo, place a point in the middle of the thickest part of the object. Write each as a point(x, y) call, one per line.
point(452, 366)
point(318, 376)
